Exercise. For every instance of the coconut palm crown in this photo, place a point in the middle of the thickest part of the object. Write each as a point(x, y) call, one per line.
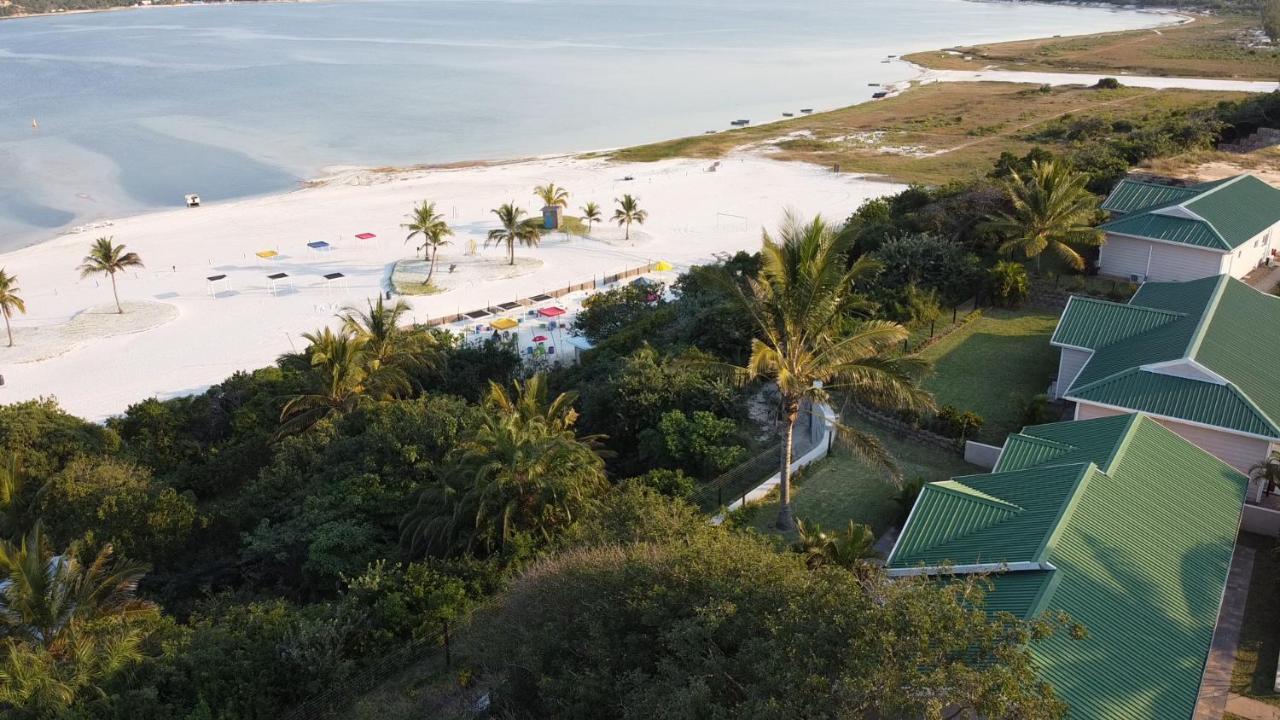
point(1052, 210)
point(629, 212)
point(552, 195)
point(591, 213)
point(514, 230)
point(810, 343)
point(10, 301)
point(107, 258)
point(428, 224)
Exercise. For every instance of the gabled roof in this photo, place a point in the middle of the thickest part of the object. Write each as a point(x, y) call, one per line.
point(1130, 195)
point(1192, 351)
point(1136, 549)
point(1221, 215)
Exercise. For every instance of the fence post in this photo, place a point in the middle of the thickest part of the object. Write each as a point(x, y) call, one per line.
point(719, 496)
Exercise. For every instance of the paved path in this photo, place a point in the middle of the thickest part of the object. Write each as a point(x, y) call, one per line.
point(1251, 709)
point(1216, 685)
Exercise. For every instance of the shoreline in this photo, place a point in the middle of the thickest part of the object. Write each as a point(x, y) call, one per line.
point(122, 8)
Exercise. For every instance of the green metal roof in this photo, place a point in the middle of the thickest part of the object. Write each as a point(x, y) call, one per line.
point(1094, 323)
point(1130, 195)
point(1220, 323)
point(1139, 557)
point(1220, 216)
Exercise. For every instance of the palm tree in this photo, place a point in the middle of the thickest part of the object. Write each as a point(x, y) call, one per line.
point(524, 470)
point(552, 196)
point(338, 374)
point(107, 258)
point(591, 213)
point(1052, 210)
point(18, 506)
point(391, 351)
point(1267, 473)
point(629, 212)
point(810, 346)
point(513, 230)
point(65, 623)
point(10, 300)
point(848, 548)
point(425, 221)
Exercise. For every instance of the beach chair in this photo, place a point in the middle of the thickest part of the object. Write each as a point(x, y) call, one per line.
point(551, 349)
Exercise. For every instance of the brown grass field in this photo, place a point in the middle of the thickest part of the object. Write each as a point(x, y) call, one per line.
point(1209, 46)
point(929, 134)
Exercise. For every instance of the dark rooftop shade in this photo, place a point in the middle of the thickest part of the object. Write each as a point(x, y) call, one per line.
point(213, 278)
point(475, 314)
point(333, 276)
point(277, 276)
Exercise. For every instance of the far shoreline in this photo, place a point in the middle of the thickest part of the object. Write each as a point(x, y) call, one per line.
point(122, 8)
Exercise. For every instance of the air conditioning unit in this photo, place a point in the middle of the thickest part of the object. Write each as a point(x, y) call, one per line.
point(1137, 279)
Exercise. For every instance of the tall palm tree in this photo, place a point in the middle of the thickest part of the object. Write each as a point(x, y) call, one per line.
point(107, 258)
point(337, 364)
point(1052, 210)
point(552, 195)
point(629, 212)
point(10, 300)
point(524, 470)
point(591, 213)
point(424, 221)
point(513, 230)
point(391, 351)
point(810, 346)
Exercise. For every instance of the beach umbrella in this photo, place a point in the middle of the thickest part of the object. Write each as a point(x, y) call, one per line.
point(663, 266)
point(540, 338)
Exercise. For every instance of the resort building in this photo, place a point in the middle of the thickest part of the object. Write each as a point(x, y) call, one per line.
point(1163, 233)
point(1119, 523)
point(1197, 356)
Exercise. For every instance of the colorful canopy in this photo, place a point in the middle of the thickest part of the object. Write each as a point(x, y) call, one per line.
point(267, 254)
point(365, 236)
point(504, 324)
point(318, 245)
point(663, 266)
point(539, 338)
point(551, 311)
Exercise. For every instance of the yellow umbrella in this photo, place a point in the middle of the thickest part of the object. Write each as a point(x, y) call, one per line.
point(504, 324)
point(662, 266)
point(267, 254)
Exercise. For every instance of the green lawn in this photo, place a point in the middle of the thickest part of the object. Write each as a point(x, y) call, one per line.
point(992, 364)
point(843, 488)
point(1255, 668)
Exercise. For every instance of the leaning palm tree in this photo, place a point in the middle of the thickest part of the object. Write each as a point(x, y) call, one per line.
point(629, 212)
point(1052, 210)
point(107, 258)
point(591, 213)
point(424, 221)
point(809, 343)
point(1267, 473)
point(552, 195)
point(10, 300)
point(514, 230)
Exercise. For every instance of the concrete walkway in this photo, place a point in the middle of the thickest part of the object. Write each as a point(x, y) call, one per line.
point(1215, 687)
point(1251, 709)
point(1264, 278)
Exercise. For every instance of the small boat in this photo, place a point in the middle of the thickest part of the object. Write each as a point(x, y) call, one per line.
point(740, 123)
point(34, 125)
point(806, 111)
point(788, 114)
point(878, 95)
point(711, 132)
point(886, 61)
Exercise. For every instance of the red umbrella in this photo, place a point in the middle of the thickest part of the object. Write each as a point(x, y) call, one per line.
point(540, 338)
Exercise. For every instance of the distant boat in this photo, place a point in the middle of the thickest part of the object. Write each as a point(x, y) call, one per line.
point(873, 84)
point(886, 61)
point(740, 123)
point(34, 125)
point(806, 111)
point(788, 114)
point(877, 96)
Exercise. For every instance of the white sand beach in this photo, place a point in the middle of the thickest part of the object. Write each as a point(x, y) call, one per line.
point(178, 338)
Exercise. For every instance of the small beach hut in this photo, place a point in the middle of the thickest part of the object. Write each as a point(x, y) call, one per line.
point(551, 217)
point(216, 284)
point(276, 280)
point(267, 254)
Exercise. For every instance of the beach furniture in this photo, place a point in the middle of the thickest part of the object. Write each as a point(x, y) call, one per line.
point(551, 349)
point(320, 246)
point(505, 323)
point(550, 312)
point(193, 200)
point(267, 254)
point(275, 280)
point(334, 280)
point(365, 236)
point(215, 282)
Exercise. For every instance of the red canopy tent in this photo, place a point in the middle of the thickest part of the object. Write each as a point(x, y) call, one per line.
point(551, 312)
point(365, 236)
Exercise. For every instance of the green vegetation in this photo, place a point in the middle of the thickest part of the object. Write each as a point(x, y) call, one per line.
point(942, 132)
point(10, 301)
point(1210, 46)
point(1010, 345)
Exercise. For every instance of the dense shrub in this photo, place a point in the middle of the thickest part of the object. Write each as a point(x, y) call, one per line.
point(1008, 284)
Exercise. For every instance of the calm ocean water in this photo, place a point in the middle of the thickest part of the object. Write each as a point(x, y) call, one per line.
point(137, 108)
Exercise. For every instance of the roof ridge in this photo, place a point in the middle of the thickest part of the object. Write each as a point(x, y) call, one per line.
point(1130, 429)
point(955, 487)
point(1206, 316)
point(1067, 508)
point(1200, 196)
